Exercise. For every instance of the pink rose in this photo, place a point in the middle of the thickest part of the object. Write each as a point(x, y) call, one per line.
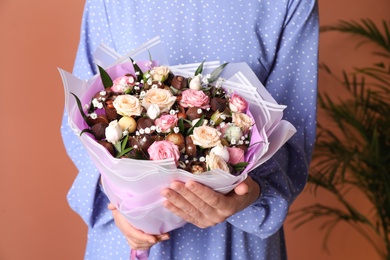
point(161, 150)
point(123, 83)
point(195, 98)
point(236, 155)
point(166, 122)
point(237, 103)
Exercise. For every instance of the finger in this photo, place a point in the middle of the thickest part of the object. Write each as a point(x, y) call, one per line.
point(180, 200)
point(133, 234)
point(111, 206)
point(241, 188)
point(206, 195)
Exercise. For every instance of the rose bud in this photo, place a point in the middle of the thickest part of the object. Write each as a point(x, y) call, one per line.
point(179, 82)
point(153, 111)
point(98, 130)
point(218, 104)
point(194, 113)
point(113, 132)
point(128, 123)
point(108, 146)
point(196, 82)
point(222, 151)
point(176, 138)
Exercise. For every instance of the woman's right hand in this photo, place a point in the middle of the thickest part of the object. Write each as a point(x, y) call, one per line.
point(136, 238)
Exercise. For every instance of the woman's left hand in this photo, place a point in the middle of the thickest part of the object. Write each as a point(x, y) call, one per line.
point(204, 207)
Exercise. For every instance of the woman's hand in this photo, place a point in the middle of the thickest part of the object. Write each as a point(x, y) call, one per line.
point(204, 207)
point(137, 239)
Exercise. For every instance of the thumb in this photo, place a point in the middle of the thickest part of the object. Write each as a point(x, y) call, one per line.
point(241, 188)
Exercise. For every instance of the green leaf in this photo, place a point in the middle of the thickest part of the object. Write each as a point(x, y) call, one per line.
point(80, 106)
point(181, 126)
point(198, 123)
point(215, 74)
point(138, 71)
point(123, 152)
point(106, 79)
point(124, 142)
point(199, 69)
point(238, 167)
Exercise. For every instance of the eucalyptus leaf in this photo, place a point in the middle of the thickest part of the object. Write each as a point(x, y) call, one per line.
point(199, 70)
point(215, 74)
point(106, 79)
point(137, 70)
point(80, 106)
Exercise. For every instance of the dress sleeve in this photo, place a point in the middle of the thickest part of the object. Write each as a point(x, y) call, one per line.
point(292, 80)
point(85, 196)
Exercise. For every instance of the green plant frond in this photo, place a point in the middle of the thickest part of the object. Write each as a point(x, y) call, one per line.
point(366, 29)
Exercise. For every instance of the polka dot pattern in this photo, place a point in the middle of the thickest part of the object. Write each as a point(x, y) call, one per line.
point(278, 39)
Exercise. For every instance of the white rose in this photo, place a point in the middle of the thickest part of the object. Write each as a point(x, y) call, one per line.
point(127, 105)
point(222, 151)
point(113, 132)
point(196, 82)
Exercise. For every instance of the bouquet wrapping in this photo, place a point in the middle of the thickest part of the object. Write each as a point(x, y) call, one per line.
point(134, 185)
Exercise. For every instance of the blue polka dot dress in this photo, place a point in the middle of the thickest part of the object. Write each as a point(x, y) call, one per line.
point(279, 41)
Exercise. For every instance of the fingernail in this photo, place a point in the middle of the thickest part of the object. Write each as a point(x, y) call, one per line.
point(165, 237)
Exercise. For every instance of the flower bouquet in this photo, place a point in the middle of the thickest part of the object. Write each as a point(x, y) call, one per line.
point(145, 124)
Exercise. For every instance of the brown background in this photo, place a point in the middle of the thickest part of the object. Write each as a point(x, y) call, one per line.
point(35, 174)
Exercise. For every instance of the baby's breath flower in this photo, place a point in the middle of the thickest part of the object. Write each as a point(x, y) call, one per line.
point(93, 115)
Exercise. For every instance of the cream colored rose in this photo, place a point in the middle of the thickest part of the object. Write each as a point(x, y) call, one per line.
point(127, 105)
point(243, 121)
point(159, 73)
point(161, 97)
point(214, 161)
point(206, 136)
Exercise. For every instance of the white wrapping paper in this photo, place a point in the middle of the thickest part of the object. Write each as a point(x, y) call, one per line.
point(134, 185)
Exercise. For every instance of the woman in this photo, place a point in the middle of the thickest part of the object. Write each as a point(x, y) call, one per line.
point(279, 41)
